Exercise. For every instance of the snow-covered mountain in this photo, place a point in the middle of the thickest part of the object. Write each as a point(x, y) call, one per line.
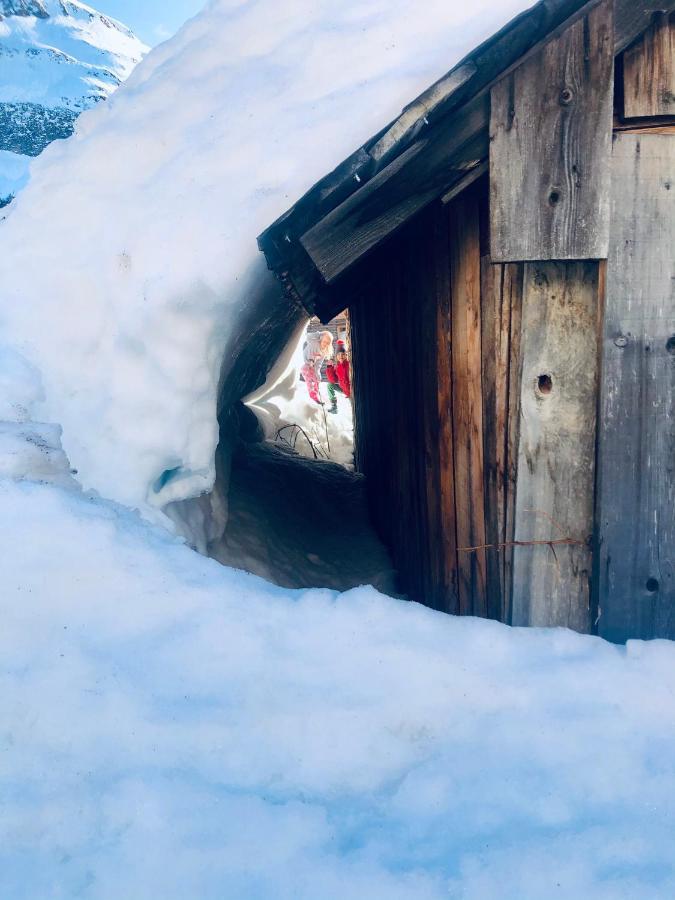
point(57, 58)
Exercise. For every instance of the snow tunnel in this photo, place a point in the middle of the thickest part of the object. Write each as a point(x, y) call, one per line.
point(287, 504)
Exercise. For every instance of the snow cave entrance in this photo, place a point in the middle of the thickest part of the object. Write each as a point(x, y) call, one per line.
point(296, 510)
point(324, 425)
point(306, 405)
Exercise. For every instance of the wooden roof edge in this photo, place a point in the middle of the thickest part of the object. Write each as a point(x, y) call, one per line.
point(464, 79)
point(281, 240)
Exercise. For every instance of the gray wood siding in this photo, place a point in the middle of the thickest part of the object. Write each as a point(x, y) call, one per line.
point(550, 144)
point(556, 454)
point(636, 483)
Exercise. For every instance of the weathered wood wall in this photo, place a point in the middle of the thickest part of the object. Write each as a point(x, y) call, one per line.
point(481, 450)
point(556, 452)
point(401, 359)
point(435, 333)
point(550, 140)
point(636, 484)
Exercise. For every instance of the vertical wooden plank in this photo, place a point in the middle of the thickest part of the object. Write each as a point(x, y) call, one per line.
point(467, 410)
point(550, 143)
point(500, 310)
point(636, 450)
point(404, 422)
point(512, 294)
point(556, 452)
point(649, 71)
point(442, 446)
point(491, 340)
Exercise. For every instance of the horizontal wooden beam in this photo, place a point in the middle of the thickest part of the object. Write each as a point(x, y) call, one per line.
point(472, 175)
point(394, 195)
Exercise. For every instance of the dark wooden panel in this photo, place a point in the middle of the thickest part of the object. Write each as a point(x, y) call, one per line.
point(556, 452)
point(443, 439)
point(494, 347)
point(501, 296)
point(512, 294)
point(550, 141)
point(649, 71)
point(632, 17)
point(467, 412)
point(403, 422)
point(636, 483)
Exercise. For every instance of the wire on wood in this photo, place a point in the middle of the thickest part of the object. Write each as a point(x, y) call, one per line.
point(565, 541)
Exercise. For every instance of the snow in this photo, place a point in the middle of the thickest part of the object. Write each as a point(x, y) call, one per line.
point(71, 58)
point(13, 173)
point(289, 417)
point(144, 223)
point(173, 728)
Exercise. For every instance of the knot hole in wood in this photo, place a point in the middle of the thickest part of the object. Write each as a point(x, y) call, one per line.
point(566, 96)
point(544, 384)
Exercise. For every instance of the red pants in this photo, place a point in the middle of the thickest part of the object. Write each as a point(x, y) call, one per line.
point(312, 382)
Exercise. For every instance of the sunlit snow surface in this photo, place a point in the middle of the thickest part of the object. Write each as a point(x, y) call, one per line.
point(171, 728)
point(129, 264)
point(71, 57)
point(63, 58)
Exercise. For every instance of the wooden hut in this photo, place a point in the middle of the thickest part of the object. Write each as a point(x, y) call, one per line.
point(508, 245)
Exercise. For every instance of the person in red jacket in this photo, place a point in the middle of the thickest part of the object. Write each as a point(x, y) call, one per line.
point(338, 376)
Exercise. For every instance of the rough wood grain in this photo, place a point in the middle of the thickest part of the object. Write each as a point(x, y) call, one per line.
point(440, 448)
point(550, 142)
point(512, 303)
point(557, 444)
point(494, 349)
point(632, 17)
point(636, 462)
point(501, 293)
point(649, 71)
point(403, 423)
point(463, 218)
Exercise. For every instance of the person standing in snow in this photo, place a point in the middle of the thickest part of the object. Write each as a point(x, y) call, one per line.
point(317, 348)
point(338, 376)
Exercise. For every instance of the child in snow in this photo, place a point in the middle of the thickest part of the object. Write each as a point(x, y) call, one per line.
point(338, 376)
point(318, 347)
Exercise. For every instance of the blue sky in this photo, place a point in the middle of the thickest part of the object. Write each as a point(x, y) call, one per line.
point(152, 20)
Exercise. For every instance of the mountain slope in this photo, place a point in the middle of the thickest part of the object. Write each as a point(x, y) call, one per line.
point(57, 58)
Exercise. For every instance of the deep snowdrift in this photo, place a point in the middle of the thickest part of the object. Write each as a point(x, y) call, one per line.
point(129, 271)
point(172, 728)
